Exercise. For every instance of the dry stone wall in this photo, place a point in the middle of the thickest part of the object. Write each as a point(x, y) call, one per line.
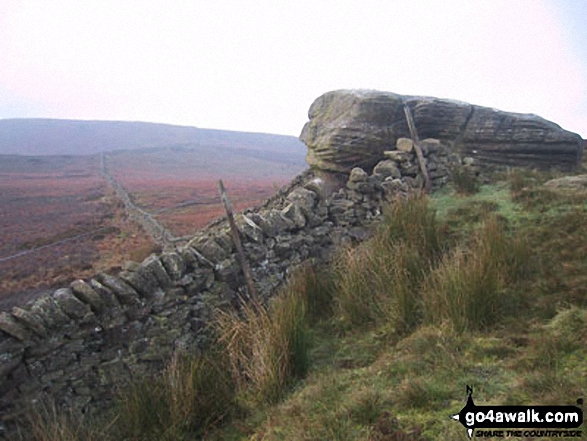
point(82, 341)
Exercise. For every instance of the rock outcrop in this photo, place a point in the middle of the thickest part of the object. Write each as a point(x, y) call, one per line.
point(77, 344)
point(349, 128)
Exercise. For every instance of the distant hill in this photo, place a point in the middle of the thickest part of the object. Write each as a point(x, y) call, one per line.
point(73, 137)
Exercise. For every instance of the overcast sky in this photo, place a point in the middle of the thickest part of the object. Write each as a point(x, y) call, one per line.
point(257, 65)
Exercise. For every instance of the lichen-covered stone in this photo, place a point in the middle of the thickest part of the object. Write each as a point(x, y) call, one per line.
point(30, 320)
point(12, 328)
point(304, 198)
point(174, 265)
point(125, 294)
point(110, 300)
point(155, 267)
point(274, 223)
point(86, 294)
point(141, 283)
point(10, 359)
point(294, 213)
point(46, 308)
point(208, 248)
point(404, 145)
point(387, 168)
point(250, 229)
point(70, 304)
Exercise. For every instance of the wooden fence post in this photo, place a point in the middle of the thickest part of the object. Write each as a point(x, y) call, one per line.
point(419, 154)
point(237, 243)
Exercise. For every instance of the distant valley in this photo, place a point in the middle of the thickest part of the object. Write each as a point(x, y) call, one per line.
point(60, 218)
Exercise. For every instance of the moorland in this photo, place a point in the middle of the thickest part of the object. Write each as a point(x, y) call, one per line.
point(60, 219)
point(476, 285)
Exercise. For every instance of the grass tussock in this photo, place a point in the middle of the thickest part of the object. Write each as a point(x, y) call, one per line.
point(46, 422)
point(192, 395)
point(377, 282)
point(469, 286)
point(267, 346)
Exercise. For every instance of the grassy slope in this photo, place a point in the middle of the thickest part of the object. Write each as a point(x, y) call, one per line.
point(399, 372)
point(367, 384)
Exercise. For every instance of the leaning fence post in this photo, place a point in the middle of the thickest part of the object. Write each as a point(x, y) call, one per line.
point(419, 154)
point(237, 243)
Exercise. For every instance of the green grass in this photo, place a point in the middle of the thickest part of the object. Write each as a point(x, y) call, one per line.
point(469, 288)
point(192, 395)
point(376, 282)
point(267, 346)
point(487, 290)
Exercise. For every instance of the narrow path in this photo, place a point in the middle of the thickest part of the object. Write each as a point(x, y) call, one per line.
point(157, 231)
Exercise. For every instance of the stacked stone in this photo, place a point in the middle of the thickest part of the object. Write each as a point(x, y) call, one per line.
point(80, 342)
point(402, 164)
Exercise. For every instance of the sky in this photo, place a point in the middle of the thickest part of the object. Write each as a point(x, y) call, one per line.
point(257, 65)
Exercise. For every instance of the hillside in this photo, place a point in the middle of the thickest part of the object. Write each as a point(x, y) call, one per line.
point(483, 290)
point(73, 137)
point(372, 306)
point(60, 220)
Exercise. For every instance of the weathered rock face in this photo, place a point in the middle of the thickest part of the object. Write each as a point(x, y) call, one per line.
point(349, 128)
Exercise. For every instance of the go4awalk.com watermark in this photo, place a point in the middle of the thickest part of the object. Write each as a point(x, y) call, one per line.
point(520, 421)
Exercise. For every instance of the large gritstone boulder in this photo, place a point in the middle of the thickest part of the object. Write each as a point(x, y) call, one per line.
point(350, 128)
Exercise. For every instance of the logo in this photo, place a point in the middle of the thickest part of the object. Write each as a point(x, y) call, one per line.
point(554, 421)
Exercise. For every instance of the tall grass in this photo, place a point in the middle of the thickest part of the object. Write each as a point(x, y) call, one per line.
point(316, 285)
point(378, 281)
point(413, 222)
point(46, 422)
point(191, 395)
point(267, 346)
point(468, 287)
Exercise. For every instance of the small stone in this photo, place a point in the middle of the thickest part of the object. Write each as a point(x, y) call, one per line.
point(174, 264)
point(358, 175)
point(430, 146)
point(306, 199)
point(397, 156)
point(250, 229)
point(155, 267)
point(107, 295)
point(294, 213)
point(141, 284)
point(125, 294)
point(387, 168)
point(70, 304)
point(46, 308)
point(404, 145)
point(210, 249)
point(12, 328)
point(86, 294)
point(31, 321)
